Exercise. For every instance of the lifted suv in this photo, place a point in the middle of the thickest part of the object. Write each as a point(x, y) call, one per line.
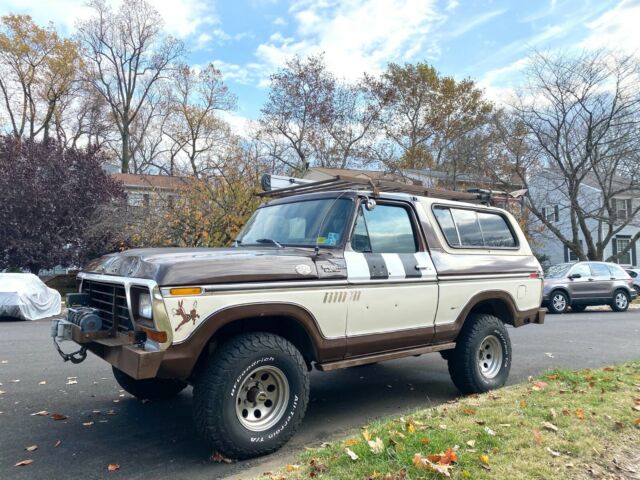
point(582, 284)
point(324, 278)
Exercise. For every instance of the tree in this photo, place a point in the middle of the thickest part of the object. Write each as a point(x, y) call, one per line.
point(38, 70)
point(127, 56)
point(424, 114)
point(574, 140)
point(300, 97)
point(54, 204)
point(193, 126)
point(209, 212)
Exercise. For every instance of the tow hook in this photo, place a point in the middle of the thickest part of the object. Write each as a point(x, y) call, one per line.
point(61, 330)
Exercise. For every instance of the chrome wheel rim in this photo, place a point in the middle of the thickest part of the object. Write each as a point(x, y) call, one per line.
point(621, 300)
point(262, 398)
point(490, 356)
point(559, 302)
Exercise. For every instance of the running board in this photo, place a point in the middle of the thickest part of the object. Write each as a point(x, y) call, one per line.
point(382, 357)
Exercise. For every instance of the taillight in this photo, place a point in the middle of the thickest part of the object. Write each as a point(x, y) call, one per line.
point(535, 275)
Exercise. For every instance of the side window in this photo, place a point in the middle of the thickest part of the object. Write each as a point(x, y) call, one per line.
point(495, 230)
point(600, 270)
point(582, 269)
point(616, 271)
point(385, 229)
point(632, 274)
point(470, 228)
point(446, 224)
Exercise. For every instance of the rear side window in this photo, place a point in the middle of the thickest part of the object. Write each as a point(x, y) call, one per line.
point(617, 271)
point(469, 228)
point(600, 270)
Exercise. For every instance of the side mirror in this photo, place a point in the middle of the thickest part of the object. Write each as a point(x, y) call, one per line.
point(573, 276)
point(370, 204)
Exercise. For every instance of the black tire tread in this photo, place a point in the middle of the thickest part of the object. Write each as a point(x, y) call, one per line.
point(458, 364)
point(209, 389)
point(149, 388)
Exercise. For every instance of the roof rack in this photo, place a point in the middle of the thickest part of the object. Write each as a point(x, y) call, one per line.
point(341, 182)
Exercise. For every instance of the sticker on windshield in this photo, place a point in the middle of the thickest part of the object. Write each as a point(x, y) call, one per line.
point(332, 238)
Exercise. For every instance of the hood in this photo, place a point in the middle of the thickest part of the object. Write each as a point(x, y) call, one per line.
point(201, 266)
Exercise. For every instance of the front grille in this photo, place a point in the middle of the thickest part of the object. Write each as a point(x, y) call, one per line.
point(111, 302)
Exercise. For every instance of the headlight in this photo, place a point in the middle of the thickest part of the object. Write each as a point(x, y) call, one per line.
point(144, 306)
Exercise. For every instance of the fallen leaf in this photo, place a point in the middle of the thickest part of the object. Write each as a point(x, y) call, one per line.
point(316, 467)
point(22, 463)
point(548, 354)
point(87, 424)
point(72, 382)
point(566, 413)
point(41, 413)
point(523, 403)
point(423, 463)
point(549, 426)
point(425, 440)
point(489, 431)
point(471, 443)
point(443, 427)
point(366, 435)
point(219, 458)
point(636, 408)
point(636, 422)
point(552, 452)
point(58, 443)
point(292, 467)
point(112, 467)
point(350, 442)
point(32, 448)
point(555, 376)
point(351, 454)
point(469, 411)
point(537, 437)
point(580, 413)
point(537, 386)
point(17, 380)
point(609, 369)
point(552, 412)
point(43, 382)
point(58, 416)
point(376, 446)
point(484, 459)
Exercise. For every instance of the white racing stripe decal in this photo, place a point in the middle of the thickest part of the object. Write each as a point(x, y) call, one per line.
point(363, 267)
point(394, 266)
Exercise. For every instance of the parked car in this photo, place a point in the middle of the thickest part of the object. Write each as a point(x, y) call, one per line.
point(579, 285)
point(331, 279)
point(634, 273)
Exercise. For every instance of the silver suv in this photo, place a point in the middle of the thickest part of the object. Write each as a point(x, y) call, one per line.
point(578, 285)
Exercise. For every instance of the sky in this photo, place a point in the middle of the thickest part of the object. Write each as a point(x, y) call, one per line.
point(487, 41)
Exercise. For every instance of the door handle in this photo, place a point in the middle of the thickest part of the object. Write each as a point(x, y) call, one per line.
point(591, 279)
point(422, 267)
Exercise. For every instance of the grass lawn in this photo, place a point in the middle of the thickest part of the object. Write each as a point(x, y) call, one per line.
point(564, 424)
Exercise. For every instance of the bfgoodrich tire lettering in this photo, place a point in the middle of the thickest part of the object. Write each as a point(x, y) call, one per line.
point(468, 360)
point(149, 388)
point(218, 390)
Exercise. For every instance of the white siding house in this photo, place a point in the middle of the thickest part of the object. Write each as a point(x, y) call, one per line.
point(549, 194)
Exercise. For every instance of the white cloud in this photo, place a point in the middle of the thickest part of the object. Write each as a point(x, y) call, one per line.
point(182, 17)
point(279, 22)
point(617, 29)
point(474, 23)
point(357, 36)
point(452, 5)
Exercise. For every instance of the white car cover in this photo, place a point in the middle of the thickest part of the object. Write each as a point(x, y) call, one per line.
point(24, 295)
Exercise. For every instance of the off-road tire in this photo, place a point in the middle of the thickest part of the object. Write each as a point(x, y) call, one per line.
point(217, 389)
point(614, 305)
point(578, 308)
point(464, 360)
point(149, 388)
point(551, 306)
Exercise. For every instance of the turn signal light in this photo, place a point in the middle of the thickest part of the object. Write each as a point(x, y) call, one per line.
point(156, 336)
point(186, 291)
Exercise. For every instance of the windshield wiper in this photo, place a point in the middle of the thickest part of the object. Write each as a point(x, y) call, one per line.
point(269, 240)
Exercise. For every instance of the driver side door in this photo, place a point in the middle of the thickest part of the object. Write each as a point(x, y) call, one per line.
point(393, 290)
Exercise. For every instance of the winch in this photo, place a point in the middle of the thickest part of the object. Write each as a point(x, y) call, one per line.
point(87, 318)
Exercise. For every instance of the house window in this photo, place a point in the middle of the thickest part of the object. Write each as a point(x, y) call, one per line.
point(570, 255)
point(551, 213)
point(621, 244)
point(135, 199)
point(621, 208)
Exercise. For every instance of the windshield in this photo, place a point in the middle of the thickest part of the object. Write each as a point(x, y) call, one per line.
point(303, 224)
point(558, 271)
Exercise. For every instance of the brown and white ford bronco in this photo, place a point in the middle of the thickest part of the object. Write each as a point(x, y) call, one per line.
point(325, 275)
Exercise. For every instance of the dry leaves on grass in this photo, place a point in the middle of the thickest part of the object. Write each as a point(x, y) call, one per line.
point(352, 455)
point(537, 386)
point(537, 437)
point(376, 446)
point(440, 463)
point(23, 463)
point(292, 467)
point(484, 459)
point(580, 413)
point(549, 426)
point(316, 467)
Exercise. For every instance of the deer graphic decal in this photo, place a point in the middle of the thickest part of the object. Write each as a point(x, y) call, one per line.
point(186, 317)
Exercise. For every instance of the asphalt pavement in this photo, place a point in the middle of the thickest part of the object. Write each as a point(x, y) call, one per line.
point(157, 439)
